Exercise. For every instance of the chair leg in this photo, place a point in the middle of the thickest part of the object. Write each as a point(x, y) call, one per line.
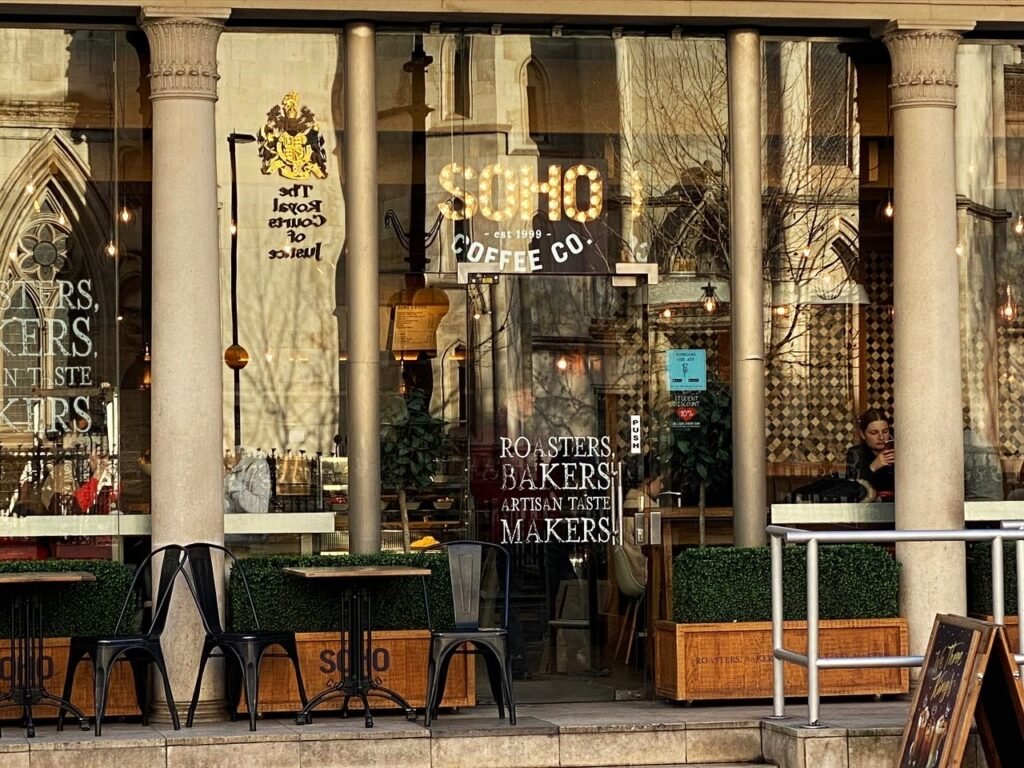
point(140, 674)
point(293, 654)
point(103, 660)
point(494, 675)
point(203, 658)
point(509, 695)
point(252, 683)
point(158, 657)
point(69, 682)
point(431, 682)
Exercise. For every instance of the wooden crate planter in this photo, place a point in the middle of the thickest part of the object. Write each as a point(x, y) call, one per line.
point(734, 660)
point(399, 660)
point(121, 698)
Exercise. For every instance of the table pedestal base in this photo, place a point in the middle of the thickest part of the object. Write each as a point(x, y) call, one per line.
point(358, 681)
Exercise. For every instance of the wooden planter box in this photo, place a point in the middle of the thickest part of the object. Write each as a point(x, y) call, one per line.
point(120, 699)
point(399, 660)
point(734, 661)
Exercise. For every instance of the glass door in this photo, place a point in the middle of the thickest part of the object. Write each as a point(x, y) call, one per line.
point(559, 392)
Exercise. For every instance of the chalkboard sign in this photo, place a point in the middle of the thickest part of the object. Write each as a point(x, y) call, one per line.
point(968, 672)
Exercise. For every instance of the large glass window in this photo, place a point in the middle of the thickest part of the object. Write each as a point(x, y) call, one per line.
point(74, 213)
point(990, 250)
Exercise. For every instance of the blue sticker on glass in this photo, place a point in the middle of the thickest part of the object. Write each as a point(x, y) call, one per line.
point(687, 370)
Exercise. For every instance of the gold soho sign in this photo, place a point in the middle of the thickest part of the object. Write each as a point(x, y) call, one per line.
point(518, 191)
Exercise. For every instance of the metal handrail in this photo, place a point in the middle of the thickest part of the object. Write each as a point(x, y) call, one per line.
point(1009, 531)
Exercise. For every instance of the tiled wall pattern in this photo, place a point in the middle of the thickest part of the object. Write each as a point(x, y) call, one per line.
point(1011, 388)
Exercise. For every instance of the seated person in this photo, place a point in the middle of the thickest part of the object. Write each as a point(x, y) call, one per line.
point(872, 461)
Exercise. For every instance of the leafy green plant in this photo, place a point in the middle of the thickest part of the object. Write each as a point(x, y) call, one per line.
point(80, 609)
point(409, 452)
point(699, 449)
point(286, 602)
point(724, 584)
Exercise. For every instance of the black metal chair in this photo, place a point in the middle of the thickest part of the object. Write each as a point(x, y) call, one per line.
point(140, 649)
point(246, 648)
point(467, 564)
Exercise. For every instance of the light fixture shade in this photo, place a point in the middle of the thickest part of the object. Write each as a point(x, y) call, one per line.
point(140, 373)
point(1008, 310)
point(236, 357)
point(709, 300)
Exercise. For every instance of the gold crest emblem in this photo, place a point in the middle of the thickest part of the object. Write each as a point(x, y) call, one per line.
point(290, 141)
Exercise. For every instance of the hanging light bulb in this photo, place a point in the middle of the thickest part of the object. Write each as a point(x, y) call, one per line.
point(666, 313)
point(781, 310)
point(889, 211)
point(1018, 225)
point(561, 363)
point(1008, 309)
point(111, 248)
point(709, 300)
point(125, 215)
point(233, 228)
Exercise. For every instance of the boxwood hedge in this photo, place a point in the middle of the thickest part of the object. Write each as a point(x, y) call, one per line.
point(81, 609)
point(285, 602)
point(724, 584)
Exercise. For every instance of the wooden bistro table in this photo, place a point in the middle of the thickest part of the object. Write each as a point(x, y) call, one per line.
point(356, 582)
point(27, 640)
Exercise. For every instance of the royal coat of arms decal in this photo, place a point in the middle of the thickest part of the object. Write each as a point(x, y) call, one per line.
point(290, 142)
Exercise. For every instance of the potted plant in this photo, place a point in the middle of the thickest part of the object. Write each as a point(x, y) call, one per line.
point(719, 644)
point(409, 452)
point(400, 638)
point(698, 447)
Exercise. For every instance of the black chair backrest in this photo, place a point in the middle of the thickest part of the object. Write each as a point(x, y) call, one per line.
point(203, 582)
point(173, 562)
point(466, 564)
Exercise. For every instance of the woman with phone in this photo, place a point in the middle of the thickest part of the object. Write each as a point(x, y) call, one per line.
point(873, 460)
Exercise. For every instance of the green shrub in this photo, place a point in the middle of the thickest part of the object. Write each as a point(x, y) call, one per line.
point(80, 609)
point(979, 578)
point(285, 602)
point(723, 584)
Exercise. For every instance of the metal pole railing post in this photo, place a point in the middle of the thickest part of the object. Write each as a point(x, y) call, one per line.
point(1020, 599)
point(998, 583)
point(778, 665)
point(812, 633)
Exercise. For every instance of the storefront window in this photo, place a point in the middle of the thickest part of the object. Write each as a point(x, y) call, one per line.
point(828, 257)
point(549, 227)
point(74, 230)
point(990, 251)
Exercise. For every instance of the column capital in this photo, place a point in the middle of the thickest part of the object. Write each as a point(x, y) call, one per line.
point(183, 51)
point(923, 59)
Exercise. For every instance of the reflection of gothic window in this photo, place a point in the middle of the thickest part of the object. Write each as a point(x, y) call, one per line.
point(830, 105)
point(692, 236)
point(461, 85)
point(537, 102)
point(22, 355)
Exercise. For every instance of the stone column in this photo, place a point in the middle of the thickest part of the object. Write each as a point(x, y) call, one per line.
point(188, 370)
point(749, 451)
point(362, 280)
point(926, 300)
